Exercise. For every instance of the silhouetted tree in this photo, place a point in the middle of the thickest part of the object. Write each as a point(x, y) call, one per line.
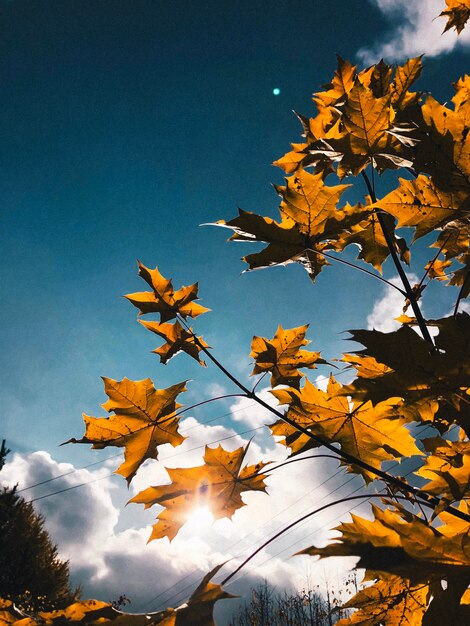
point(31, 573)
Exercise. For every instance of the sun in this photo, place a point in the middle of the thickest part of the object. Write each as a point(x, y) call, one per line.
point(200, 517)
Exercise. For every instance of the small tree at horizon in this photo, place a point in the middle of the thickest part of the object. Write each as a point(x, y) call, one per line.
point(32, 575)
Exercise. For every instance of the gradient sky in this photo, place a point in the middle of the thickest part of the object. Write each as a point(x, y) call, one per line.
point(126, 124)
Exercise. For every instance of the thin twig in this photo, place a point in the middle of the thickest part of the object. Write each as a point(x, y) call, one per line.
point(410, 294)
point(360, 269)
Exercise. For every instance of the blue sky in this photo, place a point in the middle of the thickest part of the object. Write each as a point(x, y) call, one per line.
point(125, 125)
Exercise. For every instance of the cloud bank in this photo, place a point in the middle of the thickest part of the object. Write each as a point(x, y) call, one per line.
point(106, 543)
point(416, 30)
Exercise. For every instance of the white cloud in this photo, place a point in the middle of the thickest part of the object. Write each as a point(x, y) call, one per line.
point(388, 307)
point(110, 560)
point(246, 410)
point(416, 30)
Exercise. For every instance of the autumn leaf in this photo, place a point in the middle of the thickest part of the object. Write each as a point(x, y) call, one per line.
point(405, 76)
point(457, 14)
point(421, 376)
point(420, 204)
point(390, 601)
point(341, 84)
point(143, 419)
point(282, 356)
point(400, 543)
point(310, 224)
point(199, 608)
point(177, 340)
point(164, 299)
point(218, 483)
point(368, 234)
point(447, 469)
point(443, 142)
point(370, 433)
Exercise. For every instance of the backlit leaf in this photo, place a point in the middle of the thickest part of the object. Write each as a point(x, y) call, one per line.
point(218, 484)
point(143, 419)
point(178, 339)
point(282, 356)
point(457, 14)
point(420, 204)
point(363, 430)
point(164, 299)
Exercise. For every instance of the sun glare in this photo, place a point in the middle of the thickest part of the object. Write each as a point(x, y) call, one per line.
point(200, 517)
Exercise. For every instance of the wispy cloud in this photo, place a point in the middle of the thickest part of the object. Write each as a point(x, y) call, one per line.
point(415, 30)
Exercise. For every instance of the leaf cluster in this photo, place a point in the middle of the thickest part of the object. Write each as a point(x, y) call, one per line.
point(366, 123)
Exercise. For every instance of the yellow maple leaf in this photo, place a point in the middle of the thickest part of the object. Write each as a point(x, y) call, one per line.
point(405, 76)
point(143, 419)
point(447, 469)
point(443, 146)
point(282, 356)
point(370, 433)
point(178, 339)
point(432, 383)
point(422, 205)
point(457, 14)
point(218, 483)
point(164, 299)
point(390, 601)
point(341, 84)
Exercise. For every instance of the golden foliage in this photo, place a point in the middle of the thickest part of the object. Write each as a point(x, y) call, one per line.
point(143, 419)
point(282, 356)
point(218, 483)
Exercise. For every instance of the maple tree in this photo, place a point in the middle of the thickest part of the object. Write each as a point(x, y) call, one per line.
point(367, 122)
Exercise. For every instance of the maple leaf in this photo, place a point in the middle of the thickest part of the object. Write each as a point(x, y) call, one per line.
point(447, 469)
point(310, 203)
point(177, 340)
point(341, 84)
point(164, 299)
point(199, 608)
point(422, 205)
point(282, 356)
point(310, 223)
point(405, 76)
point(365, 139)
point(363, 430)
point(443, 146)
point(286, 244)
point(390, 601)
point(144, 418)
point(368, 234)
point(457, 14)
point(433, 383)
point(400, 543)
point(436, 269)
point(218, 483)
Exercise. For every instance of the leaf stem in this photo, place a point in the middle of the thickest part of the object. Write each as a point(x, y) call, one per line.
point(360, 269)
point(398, 266)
